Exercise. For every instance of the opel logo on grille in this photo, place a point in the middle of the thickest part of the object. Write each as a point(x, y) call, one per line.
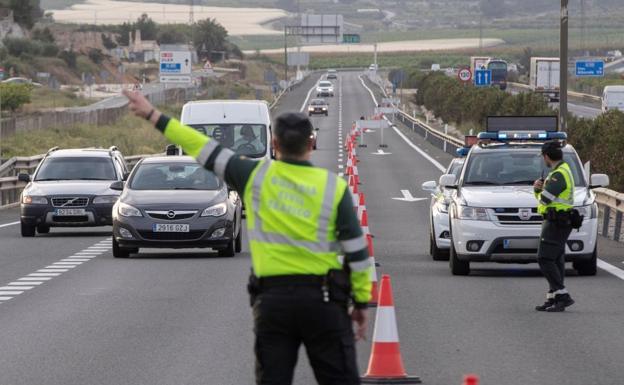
point(171, 214)
point(525, 214)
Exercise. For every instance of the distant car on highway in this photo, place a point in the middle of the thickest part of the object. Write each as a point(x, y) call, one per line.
point(325, 88)
point(439, 235)
point(332, 74)
point(173, 202)
point(493, 210)
point(19, 80)
point(70, 188)
point(318, 107)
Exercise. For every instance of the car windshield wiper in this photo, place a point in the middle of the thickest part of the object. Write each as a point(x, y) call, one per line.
point(480, 183)
point(186, 188)
point(93, 179)
point(520, 182)
point(49, 179)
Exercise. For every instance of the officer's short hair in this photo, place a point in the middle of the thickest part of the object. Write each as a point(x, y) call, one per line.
point(553, 150)
point(293, 131)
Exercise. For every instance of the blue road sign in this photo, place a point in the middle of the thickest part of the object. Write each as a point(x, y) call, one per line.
point(483, 78)
point(590, 68)
point(170, 68)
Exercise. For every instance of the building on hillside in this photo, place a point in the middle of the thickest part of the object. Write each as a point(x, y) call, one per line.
point(8, 26)
point(143, 50)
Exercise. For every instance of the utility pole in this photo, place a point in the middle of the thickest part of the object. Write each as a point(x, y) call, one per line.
point(583, 28)
point(563, 67)
point(192, 12)
point(480, 33)
point(286, 54)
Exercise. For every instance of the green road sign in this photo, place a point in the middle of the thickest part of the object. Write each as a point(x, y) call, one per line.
point(351, 38)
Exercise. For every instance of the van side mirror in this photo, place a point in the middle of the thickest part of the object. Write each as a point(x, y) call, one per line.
point(598, 180)
point(117, 186)
point(448, 181)
point(23, 177)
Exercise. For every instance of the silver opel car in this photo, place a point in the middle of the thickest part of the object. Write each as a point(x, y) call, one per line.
point(173, 202)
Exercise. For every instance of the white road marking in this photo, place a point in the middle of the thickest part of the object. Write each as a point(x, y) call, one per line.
point(381, 152)
point(54, 270)
point(340, 166)
point(341, 174)
point(9, 224)
point(609, 268)
point(44, 274)
point(408, 197)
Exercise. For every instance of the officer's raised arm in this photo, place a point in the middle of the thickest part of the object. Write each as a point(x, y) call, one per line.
point(206, 150)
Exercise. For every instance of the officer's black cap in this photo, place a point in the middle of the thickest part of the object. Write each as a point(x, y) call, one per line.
point(552, 149)
point(293, 121)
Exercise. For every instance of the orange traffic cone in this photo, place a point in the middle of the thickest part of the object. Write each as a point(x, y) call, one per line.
point(352, 185)
point(373, 276)
point(356, 174)
point(386, 365)
point(364, 221)
point(471, 379)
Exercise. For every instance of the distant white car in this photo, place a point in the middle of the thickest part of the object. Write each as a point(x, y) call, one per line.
point(332, 74)
point(324, 88)
point(19, 80)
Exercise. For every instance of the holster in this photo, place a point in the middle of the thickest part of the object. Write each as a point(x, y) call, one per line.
point(339, 285)
point(253, 288)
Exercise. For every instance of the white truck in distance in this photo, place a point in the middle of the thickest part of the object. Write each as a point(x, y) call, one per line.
point(613, 98)
point(544, 76)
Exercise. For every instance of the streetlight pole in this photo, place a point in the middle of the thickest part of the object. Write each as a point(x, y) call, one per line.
point(286, 55)
point(563, 68)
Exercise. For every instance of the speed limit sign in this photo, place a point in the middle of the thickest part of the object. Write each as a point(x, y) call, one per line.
point(464, 74)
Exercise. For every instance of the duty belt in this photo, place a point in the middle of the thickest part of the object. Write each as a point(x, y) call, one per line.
point(291, 280)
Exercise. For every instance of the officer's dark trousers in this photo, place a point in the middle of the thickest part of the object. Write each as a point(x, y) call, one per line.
point(285, 317)
point(551, 253)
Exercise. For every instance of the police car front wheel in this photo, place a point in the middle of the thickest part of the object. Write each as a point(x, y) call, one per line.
point(457, 267)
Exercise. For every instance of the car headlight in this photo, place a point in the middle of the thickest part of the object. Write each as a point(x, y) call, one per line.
point(589, 211)
point(324, 108)
point(215, 211)
point(108, 199)
point(125, 210)
point(472, 213)
point(33, 200)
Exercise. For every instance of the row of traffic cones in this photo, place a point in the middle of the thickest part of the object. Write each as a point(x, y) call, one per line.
point(385, 365)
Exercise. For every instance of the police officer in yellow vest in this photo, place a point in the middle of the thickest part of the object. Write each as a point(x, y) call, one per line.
point(556, 200)
point(300, 220)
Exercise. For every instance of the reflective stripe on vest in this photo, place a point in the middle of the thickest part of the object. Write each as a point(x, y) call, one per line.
point(321, 245)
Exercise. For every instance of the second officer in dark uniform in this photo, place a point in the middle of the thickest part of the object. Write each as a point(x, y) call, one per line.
point(555, 195)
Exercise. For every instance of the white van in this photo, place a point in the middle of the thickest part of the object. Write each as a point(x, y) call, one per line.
point(241, 125)
point(613, 98)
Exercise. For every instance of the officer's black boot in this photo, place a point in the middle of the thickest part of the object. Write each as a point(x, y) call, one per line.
point(561, 302)
point(549, 302)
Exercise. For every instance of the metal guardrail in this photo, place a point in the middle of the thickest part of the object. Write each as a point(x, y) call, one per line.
point(577, 95)
point(610, 202)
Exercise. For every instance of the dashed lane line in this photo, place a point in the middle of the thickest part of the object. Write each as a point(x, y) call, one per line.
point(9, 224)
point(54, 270)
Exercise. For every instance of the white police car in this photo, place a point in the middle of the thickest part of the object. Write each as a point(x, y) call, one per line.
point(439, 235)
point(493, 210)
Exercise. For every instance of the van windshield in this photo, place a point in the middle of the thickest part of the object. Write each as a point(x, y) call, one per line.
point(514, 168)
point(244, 139)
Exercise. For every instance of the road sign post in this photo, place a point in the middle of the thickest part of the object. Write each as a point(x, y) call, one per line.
point(483, 78)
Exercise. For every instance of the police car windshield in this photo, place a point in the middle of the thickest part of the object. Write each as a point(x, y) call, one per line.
point(76, 168)
point(245, 139)
point(513, 168)
point(173, 176)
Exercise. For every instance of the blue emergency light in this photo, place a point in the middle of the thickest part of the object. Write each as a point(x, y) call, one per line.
point(510, 136)
point(462, 151)
point(522, 128)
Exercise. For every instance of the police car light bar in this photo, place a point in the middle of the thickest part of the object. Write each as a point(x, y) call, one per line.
point(509, 136)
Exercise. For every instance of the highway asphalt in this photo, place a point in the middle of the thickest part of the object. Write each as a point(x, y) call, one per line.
point(182, 317)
